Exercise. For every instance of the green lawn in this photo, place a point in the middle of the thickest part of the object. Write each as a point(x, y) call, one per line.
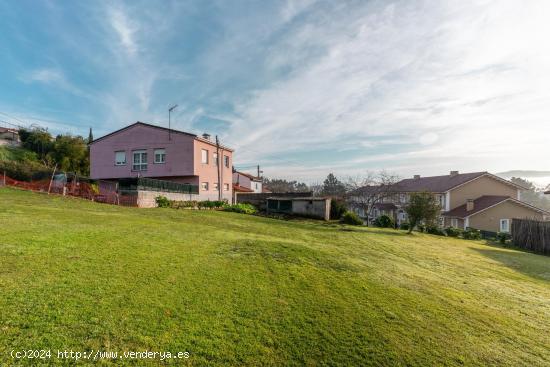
point(233, 289)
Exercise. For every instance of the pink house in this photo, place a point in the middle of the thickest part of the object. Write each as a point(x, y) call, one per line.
point(144, 150)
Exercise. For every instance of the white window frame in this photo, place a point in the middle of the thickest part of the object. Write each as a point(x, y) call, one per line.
point(120, 163)
point(160, 153)
point(141, 165)
point(215, 159)
point(204, 156)
point(226, 161)
point(204, 186)
point(454, 222)
point(215, 186)
point(225, 187)
point(507, 221)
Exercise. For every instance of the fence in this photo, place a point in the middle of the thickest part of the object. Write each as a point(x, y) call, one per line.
point(142, 183)
point(531, 234)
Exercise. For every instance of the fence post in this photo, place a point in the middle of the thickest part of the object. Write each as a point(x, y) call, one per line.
point(51, 180)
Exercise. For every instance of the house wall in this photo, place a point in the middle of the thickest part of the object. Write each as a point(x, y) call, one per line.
point(146, 199)
point(208, 172)
point(448, 223)
point(179, 153)
point(484, 185)
point(242, 180)
point(489, 220)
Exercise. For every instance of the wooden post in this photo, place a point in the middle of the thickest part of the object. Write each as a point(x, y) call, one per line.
point(51, 180)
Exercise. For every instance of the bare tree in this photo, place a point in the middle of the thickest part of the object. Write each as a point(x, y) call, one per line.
point(364, 192)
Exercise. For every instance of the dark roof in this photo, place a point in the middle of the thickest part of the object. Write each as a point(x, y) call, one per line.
point(436, 183)
point(385, 206)
point(481, 203)
point(156, 127)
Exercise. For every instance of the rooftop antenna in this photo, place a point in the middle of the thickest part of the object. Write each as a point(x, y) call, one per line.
point(169, 120)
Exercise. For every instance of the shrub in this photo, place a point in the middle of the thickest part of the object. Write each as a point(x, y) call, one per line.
point(337, 209)
point(453, 232)
point(471, 234)
point(384, 221)
point(351, 218)
point(502, 237)
point(420, 227)
point(404, 226)
point(431, 229)
point(162, 202)
point(240, 208)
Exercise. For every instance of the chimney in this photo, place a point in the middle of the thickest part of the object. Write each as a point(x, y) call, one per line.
point(454, 173)
point(416, 177)
point(469, 205)
point(206, 136)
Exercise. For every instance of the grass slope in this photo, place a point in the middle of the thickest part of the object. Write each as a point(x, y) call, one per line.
point(242, 290)
point(8, 153)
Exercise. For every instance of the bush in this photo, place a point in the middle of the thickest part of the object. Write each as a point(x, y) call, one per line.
point(420, 227)
point(453, 232)
point(384, 221)
point(471, 234)
point(337, 209)
point(502, 237)
point(25, 170)
point(162, 202)
point(351, 218)
point(240, 208)
point(404, 226)
point(435, 230)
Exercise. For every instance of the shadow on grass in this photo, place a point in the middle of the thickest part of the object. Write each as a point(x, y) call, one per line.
point(533, 265)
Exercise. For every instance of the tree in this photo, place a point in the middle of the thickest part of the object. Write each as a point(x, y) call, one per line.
point(333, 187)
point(363, 193)
point(280, 186)
point(37, 140)
point(90, 137)
point(422, 207)
point(71, 154)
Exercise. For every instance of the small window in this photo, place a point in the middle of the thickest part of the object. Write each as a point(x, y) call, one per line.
point(160, 156)
point(204, 156)
point(226, 187)
point(256, 184)
point(215, 186)
point(120, 158)
point(454, 222)
point(505, 225)
point(215, 159)
point(140, 160)
point(226, 160)
point(204, 186)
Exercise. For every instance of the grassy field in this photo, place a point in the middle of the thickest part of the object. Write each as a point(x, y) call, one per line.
point(242, 290)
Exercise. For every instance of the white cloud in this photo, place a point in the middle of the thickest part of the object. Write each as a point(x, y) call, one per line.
point(124, 28)
point(468, 80)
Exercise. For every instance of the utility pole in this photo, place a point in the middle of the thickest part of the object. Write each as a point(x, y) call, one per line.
point(258, 171)
point(169, 121)
point(218, 168)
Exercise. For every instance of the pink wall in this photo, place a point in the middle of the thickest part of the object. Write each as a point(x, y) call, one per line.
point(179, 153)
point(242, 180)
point(208, 172)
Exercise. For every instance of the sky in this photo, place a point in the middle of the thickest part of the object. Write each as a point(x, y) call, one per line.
point(302, 88)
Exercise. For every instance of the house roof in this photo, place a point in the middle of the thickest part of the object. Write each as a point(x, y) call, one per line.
point(161, 128)
point(253, 178)
point(385, 206)
point(240, 188)
point(485, 202)
point(313, 198)
point(436, 183)
point(8, 130)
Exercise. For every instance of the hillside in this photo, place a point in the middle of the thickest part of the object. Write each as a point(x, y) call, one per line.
point(8, 153)
point(242, 290)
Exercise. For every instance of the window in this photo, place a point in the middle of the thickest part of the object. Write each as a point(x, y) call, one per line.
point(215, 159)
point(216, 186)
point(505, 225)
point(441, 222)
point(140, 160)
point(226, 161)
point(256, 184)
point(225, 187)
point(120, 158)
point(204, 186)
point(204, 156)
point(160, 156)
point(454, 222)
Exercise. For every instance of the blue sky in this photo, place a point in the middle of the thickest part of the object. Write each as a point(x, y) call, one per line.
point(302, 88)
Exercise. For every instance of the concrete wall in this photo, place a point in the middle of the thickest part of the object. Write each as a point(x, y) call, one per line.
point(489, 220)
point(312, 208)
point(484, 185)
point(146, 199)
point(259, 199)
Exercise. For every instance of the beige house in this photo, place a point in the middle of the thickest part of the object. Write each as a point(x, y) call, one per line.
point(477, 200)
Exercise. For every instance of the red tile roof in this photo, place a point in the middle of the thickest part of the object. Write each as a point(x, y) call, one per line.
point(239, 188)
point(254, 178)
